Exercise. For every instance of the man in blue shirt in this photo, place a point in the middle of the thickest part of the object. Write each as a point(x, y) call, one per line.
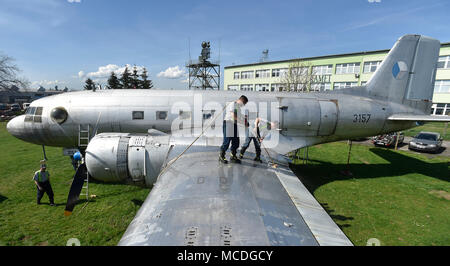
point(42, 180)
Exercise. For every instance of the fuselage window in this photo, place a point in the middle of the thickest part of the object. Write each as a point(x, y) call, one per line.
point(138, 115)
point(185, 115)
point(161, 115)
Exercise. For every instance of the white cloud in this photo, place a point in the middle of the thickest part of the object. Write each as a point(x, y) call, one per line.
point(46, 83)
point(74, 1)
point(103, 72)
point(172, 73)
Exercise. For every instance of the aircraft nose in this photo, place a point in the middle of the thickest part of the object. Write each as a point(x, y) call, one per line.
point(15, 126)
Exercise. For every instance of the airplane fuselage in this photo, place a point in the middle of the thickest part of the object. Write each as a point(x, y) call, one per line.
point(319, 117)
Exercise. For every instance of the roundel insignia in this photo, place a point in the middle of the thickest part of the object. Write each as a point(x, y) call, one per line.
point(399, 70)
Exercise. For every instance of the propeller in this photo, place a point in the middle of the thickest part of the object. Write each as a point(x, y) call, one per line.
point(75, 189)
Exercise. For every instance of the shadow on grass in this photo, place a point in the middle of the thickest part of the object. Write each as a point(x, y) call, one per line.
point(336, 217)
point(137, 202)
point(321, 173)
point(2, 198)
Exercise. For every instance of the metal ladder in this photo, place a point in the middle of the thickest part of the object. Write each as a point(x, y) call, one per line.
point(83, 141)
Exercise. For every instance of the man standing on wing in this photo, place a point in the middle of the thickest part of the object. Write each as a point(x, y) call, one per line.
point(252, 134)
point(230, 129)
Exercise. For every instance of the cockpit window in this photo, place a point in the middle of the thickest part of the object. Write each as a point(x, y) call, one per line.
point(33, 114)
point(38, 111)
point(59, 115)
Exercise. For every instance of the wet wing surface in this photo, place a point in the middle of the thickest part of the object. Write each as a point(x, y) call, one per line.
point(199, 201)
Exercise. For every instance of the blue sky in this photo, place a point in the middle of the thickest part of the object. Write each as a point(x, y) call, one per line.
point(61, 42)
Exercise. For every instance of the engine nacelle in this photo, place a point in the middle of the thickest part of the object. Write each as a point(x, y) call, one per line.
point(126, 158)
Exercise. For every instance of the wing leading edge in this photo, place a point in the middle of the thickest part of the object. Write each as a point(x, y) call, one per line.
point(198, 201)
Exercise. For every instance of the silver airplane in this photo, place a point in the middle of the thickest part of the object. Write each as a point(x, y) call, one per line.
point(168, 140)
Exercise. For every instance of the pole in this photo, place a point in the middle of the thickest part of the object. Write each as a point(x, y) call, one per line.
point(445, 129)
point(349, 151)
point(43, 150)
point(396, 140)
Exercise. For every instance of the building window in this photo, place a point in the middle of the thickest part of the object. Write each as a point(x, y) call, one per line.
point(440, 109)
point(161, 115)
point(262, 87)
point(341, 85)
point(247, 74)
point(236, 75)
point(233, 87)
point(370, 67)
point(443, 62)
point(322, 70)
point(277, 87)
point(350, 68)
point(442, 86)
point(138, 115)
point(265, 73)
point(320, 86)
point(246, 87)
point(278, 72)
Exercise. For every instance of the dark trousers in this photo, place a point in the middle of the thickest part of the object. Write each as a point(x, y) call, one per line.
point(227, 139)
point(46, 188)
point(248, 140)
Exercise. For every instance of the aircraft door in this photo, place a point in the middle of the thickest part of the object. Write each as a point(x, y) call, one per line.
point(328, 117)
point(299, 117)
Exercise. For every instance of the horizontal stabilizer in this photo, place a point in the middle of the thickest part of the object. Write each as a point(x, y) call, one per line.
point(420, 118)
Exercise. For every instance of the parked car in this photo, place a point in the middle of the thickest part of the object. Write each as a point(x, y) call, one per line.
point(426, 141)
point(3, 108)
point(388, 140)
point(25, 106)
point(15, 107)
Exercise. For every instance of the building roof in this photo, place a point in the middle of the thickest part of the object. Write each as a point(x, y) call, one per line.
point(321, 57)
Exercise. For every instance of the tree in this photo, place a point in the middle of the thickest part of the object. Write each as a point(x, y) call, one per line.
point(114, 82)
point(8, 74)
point(145, 83)
point(90, 85)
point(298, 77)
point(56, 87)
point(135, 82)
point(66, 89)
point(126, 79)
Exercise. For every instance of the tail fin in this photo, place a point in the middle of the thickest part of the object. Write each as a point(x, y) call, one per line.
point(407, 73)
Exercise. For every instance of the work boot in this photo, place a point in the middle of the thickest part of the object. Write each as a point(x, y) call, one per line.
point(257, 159)
point(222, 158)
point(241, 155)
point(234, 159)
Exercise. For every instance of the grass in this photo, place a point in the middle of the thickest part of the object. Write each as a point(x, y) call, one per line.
point(22, 222)
point(433, 127)
point(398, 197)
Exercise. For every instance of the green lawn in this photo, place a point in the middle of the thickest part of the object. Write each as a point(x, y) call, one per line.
point(394, 196)
point(399, 197)
point(22, 222)
point(433, 127)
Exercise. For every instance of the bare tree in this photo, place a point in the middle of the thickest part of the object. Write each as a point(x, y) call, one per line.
point(8, 74)
point(298, 76)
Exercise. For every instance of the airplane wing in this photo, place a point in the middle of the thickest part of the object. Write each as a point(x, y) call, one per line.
point(420, 118)
point(198, 201)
